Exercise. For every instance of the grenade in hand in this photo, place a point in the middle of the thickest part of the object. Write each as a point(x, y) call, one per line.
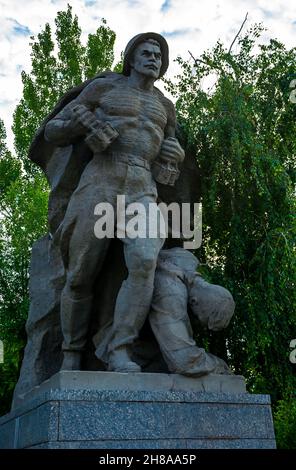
point(165, 172)
point(100, 134)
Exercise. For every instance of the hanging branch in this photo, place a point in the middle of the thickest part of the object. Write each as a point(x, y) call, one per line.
point(197, 60)
point(237, 35)
point(213, 66)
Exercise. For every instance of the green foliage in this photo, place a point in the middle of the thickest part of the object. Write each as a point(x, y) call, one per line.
point(57, 65)
point(71, 51)
point(23, 221)
point(9, 371)
point(40, 92)
point(21, 205)
point(119, 66)
point(242, 129)
point(9, 167)
point(99, 54)
point(285, 423)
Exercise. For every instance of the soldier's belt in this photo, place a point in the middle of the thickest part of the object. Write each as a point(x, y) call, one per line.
point(129, 159)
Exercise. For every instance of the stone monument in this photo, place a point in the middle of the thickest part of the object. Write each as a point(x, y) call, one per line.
point(111, 360)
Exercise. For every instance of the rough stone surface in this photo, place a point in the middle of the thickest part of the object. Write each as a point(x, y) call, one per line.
point(147, 382)
point(39, 425)
point(42, 356)
point(8, 432)
point(162, 420)
point(128, 417)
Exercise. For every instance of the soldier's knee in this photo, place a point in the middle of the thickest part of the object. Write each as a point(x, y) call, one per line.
point(143, 264)
point(78, 285)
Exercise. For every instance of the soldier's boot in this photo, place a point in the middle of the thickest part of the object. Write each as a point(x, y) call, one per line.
point(120, 361)
point(72, 360)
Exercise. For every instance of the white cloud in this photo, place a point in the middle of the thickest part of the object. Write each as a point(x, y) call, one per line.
point(188, 25)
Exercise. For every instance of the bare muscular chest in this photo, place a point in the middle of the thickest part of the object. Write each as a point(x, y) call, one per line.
point(129, 103)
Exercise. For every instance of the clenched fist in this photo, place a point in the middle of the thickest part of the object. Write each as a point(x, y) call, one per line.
point(171, 151)
point(99, 135)
point(165, 168)
point(82, 120)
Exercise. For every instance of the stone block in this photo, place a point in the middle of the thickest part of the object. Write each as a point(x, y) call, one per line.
point(38, 425)
point(116, 411)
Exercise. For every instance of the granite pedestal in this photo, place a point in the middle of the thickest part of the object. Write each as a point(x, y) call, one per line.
point(110, 410)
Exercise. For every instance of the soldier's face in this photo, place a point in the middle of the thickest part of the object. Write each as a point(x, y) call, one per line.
point(147, 60)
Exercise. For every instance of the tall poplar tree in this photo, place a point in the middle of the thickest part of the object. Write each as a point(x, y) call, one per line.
point(59, 61)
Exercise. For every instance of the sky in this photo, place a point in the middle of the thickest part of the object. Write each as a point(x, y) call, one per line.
point(193, 25)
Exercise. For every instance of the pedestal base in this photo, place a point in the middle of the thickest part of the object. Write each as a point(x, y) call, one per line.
point(110, 410)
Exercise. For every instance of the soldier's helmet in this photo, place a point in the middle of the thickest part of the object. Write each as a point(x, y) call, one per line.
point(138, 39)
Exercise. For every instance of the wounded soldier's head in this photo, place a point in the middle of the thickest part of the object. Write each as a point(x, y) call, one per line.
point(213, 305)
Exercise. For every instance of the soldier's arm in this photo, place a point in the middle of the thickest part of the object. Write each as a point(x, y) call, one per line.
point(76, 118)
point(171, 149)
point(170, 129)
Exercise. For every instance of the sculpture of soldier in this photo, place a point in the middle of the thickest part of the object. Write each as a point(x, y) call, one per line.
point(113, 134)
point(128, 124)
